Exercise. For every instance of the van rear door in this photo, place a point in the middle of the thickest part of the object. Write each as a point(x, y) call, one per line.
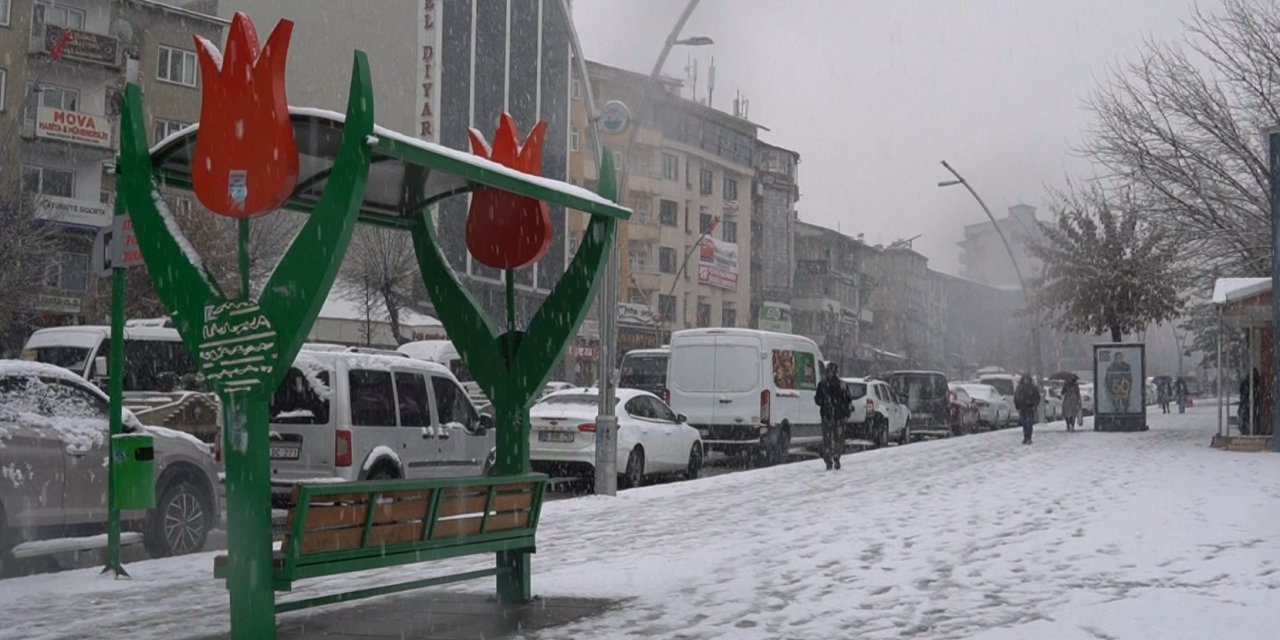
point(737, 380)
point(691, 379)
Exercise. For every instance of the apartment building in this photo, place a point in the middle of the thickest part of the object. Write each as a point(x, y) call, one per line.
point(774, 192)
point(685, 255)
point(63, 68)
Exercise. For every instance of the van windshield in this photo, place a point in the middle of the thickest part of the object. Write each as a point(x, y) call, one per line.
point(73, 358)
point(643, 370)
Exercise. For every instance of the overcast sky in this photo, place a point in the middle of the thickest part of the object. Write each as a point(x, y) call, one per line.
point(873, 93)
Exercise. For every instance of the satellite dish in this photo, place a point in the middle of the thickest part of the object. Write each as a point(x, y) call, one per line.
point(122, 31)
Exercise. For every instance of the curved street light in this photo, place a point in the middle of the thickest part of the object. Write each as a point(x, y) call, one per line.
point(1026, 295)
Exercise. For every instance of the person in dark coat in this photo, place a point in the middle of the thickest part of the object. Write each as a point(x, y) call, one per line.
point(836, 405)
point(1164, 394)
point(1027, 399)
point(1180, 394)
point(1072, 405)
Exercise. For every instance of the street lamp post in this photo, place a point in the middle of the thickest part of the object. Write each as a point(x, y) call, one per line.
point(1026, 295)
point(607, 303)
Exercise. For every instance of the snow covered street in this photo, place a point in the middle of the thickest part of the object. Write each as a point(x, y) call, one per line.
point(1081, 535)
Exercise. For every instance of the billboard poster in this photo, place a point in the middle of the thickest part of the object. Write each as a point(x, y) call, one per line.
point(718, 264)
point(1119, 372)
point(775, 316)
point(794, 369)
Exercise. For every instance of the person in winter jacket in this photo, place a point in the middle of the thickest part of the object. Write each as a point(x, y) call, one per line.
point(836, 405)
point(1027, 399)
point(1180, 394)
point(1072, 406)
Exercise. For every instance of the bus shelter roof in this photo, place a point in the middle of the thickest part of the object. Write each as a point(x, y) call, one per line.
point(405, 176)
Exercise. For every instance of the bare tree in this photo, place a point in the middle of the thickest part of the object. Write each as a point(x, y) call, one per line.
point(1180, 129)
point(26, 247)
point(1106, 269)
point(381, 264)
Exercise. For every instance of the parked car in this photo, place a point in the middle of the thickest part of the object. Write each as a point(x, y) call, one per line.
point(994, 410)
point(54, 433)
point(926, 394)
point(645, 369)
point(874, 399)
point(1006, 384)
point(651, 440)
point(345, 415)
point(963, 411)
point(155, 358)
point(1086, 398)
point(554, 386)
point(443, 352)
point(747, 391)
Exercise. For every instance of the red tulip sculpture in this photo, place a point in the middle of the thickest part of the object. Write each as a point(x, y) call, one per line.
point(505, 230)
point(246, 158)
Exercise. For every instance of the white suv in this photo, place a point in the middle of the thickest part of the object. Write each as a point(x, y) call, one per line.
point(888, 418)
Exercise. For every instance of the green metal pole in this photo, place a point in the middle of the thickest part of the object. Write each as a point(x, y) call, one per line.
point(248, 472)
point(116, 387)
point(514, 584)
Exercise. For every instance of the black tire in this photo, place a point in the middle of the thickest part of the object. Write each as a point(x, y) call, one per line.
point(633, 475)
point(775, 451)
point(695, 462)
point(383, 471)
point(179, 523)
point(905, 436)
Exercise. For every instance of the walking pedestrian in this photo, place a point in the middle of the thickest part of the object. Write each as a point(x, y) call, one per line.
point(836, 405)
point(1164, 394)
point(1027, 399)
point(1180, 394)
point(1072, 406)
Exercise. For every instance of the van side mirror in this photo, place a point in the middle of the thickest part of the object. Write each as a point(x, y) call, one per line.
point(100, 366)
point(680, 417)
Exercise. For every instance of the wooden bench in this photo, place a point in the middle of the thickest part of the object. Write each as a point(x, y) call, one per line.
point(332, 529)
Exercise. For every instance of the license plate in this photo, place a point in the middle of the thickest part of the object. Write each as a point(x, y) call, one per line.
point(284, 453)
point(555, 436)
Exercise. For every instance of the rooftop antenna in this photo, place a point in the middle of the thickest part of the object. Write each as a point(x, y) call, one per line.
point(711, 80)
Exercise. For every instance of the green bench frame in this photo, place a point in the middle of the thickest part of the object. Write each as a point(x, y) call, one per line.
point(332, 530)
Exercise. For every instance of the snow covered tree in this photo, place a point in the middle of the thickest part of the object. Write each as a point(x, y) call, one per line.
point(1181, 128)
point(26, 248)
point(381, 263)
point(1106, 269)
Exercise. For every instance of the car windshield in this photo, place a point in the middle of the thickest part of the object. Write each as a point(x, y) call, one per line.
point(643, 370)
point(1003, 385)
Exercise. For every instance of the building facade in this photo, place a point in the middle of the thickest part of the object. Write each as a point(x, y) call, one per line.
point(684, 255)
point(983, 256)
point(774, 193)
point(900, 302)
point(59, 114)
point(829, 300)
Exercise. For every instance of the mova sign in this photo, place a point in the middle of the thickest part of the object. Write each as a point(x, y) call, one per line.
point(73, 126)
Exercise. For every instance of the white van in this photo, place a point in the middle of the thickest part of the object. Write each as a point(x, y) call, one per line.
point(347, 415)
point(155, 359)
point(747, 390)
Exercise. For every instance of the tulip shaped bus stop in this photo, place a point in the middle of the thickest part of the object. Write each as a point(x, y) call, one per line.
point(349, 171)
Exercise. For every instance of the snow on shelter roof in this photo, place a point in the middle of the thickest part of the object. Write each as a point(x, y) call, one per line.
point(1231, 289)
point(390, 197)
point(341, 307)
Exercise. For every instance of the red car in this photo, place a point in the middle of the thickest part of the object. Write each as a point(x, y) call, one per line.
point(962, 411)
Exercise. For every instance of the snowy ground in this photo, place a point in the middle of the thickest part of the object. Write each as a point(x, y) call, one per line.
point(1079, 536)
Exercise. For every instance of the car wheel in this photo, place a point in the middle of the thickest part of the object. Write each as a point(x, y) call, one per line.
point(179, 523)
point(695, 463)
point(634, 473)
point(775, 452)
point(904, 436)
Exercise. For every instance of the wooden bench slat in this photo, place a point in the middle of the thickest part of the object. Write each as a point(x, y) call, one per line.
point(346, 539)
point(446, 529)
point(512, 501)
point(461, 506)
point(507, 520)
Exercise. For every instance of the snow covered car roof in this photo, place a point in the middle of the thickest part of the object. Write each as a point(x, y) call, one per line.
point(30, 368)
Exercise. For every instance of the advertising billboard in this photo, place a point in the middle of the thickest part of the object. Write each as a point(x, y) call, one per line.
point(1119, 373)
point(718, 264)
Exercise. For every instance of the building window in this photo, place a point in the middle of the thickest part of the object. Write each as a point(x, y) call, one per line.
point(730, 188)
point(49, 182)
point(670, 167)
point(728, 315)
point(573, 139)
point(52, 95)
point(668, 213)
point(575, 90)
point(704, 222)
point(70, 272)
point(165, 128)
point(666, 260)
point(729, 231)
point(4, 12)
point(638, 256)
point(176, 66)
point(641, 209)
point(704, 312)
point(667, 307)
point(49, 13)
point(704, 181)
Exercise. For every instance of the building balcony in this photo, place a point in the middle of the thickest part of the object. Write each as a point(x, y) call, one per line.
point(84, 46)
